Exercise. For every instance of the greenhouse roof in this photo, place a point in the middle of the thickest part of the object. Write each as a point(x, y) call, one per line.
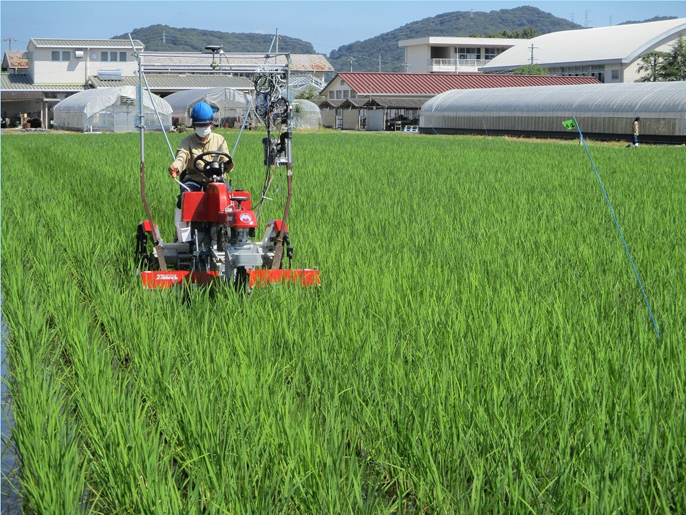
point(623, 43)
point(226, 97)
point(641, 98)
point(94, 100)
point(306, 105)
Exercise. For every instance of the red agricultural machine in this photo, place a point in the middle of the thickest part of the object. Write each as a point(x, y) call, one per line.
point(216, 233)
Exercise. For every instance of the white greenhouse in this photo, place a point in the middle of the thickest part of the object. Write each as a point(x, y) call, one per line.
point(110, 109)
point(306, 114)
point(229, 103)
point(604, 111)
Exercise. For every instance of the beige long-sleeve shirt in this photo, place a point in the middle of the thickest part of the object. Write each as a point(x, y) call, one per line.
point(191, 147)
point(635, 128)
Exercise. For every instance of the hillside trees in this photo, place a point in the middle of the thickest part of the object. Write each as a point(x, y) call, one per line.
point(531, 69)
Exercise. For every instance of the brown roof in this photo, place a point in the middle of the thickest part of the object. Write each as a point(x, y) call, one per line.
point(16, 59)
point(365, 83)
point(396, 102)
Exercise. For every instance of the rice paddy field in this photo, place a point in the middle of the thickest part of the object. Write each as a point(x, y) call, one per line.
point(479, 342)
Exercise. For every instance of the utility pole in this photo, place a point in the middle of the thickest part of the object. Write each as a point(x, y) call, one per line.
point(379, 63)
point(586, 20)
point(277, 40)
point(164, 37)
point(532, 53)
point(351, 59)
point(9, 40)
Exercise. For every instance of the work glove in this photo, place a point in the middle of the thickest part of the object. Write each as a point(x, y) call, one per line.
point(173, 171)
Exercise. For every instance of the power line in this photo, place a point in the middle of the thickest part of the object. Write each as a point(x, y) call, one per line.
point(9, 40)
point(350, 59)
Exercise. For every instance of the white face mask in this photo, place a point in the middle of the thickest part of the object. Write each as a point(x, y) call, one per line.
point(203, 132)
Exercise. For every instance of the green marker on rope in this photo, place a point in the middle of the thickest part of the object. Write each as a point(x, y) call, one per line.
point(570, 124)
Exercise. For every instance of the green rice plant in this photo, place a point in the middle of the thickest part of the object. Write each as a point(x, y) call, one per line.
point(479, 342)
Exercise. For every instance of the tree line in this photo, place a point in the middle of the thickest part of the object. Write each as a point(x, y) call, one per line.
point(664, 66)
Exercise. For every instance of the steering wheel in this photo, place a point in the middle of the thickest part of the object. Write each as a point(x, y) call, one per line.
point(212, 167)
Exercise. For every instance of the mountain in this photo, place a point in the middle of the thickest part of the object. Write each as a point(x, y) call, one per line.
point(164, 38)
point(654, 18)
point(460, 23)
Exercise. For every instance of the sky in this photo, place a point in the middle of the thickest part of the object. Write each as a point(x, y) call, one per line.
point(326, 24)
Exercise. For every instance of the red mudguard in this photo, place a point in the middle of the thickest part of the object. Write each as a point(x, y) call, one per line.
point(303, 276)
point(156, 280)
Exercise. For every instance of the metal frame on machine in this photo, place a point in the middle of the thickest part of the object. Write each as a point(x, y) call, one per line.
point(270, 78)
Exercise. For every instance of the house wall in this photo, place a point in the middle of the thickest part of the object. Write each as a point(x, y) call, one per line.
point(351, 119)
point(375, 120)
point(417, 58)
point(328, 118)
point(424, 58)
point(43, 70)
point(609, 72)
point(338, 90)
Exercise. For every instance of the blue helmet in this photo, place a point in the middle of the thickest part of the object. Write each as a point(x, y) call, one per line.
point(201, 113)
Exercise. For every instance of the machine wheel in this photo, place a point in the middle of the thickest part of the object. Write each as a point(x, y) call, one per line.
point(241, 280)
point(145, 258)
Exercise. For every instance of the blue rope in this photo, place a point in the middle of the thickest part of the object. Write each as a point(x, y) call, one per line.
point(614, 217)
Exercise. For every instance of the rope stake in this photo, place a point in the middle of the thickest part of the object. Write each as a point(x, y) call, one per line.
point(614, 217)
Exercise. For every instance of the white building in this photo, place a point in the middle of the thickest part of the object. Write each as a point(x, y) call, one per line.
point(610, 54)
point(72, 61)
point(51, 69)
point(452, 55)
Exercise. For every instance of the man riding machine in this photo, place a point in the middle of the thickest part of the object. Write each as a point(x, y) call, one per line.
point(197, 154)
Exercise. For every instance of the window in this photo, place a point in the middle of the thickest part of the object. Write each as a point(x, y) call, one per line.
point(332, 94)
point(113, 56)
point(345, 93)
point(338, 94)
point(353, 94)
point(469, 53)
point(492, 52)
point(615, 74)
point(64, 55)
